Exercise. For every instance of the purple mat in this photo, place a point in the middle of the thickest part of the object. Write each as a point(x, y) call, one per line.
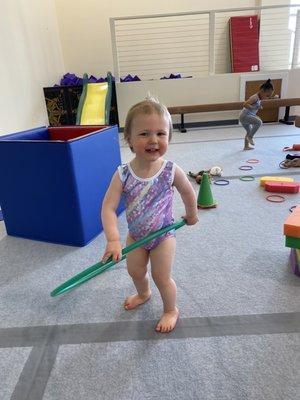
point(74, 80)
point(294, 262)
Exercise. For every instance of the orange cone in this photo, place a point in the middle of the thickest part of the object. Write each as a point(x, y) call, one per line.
point(205, 198)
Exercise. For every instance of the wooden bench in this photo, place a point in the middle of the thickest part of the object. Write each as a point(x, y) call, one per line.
point(236, 105)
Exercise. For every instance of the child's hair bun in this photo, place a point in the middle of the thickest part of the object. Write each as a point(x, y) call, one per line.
point(267, 85)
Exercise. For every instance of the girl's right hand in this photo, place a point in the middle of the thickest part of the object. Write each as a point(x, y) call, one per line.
point(114, 249)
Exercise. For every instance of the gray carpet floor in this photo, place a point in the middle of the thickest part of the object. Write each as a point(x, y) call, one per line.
point(239, 331)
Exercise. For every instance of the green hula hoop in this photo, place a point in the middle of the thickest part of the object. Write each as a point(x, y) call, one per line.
point(247, 178)
point(100, 267)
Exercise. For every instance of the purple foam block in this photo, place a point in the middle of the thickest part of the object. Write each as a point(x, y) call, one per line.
point(69, 79)
point(92, 79)
point(175, 76)
point(294, 262)
point(130, 78)
point(172, 76)
point(127, 78)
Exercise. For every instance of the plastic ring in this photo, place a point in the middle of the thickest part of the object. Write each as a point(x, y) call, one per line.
point(253, 161)
point(100, 267)
point(245, 167)
point(292, 208)
point(275, 198)
point(222, 182)
point(247, 178)
point(282, 166)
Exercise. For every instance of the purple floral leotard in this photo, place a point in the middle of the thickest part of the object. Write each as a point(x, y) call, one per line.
point(148, 202)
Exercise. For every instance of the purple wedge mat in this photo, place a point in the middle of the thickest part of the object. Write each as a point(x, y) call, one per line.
point(294, 263)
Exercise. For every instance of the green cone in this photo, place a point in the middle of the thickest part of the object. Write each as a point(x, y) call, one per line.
point(205, 198)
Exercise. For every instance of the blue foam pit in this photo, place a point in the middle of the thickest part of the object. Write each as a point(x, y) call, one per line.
point(53, 181)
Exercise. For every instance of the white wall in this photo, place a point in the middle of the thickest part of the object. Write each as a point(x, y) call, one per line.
point(212, 89)
point(175, 92)
point(86, 43)
point(294, 86)
point(30, 59)
point(41, 40)
point(85, 33)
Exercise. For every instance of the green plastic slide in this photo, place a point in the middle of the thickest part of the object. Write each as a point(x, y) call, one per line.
point(95, 102)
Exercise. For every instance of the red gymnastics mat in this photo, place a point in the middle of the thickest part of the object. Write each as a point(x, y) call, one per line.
point(244, 43)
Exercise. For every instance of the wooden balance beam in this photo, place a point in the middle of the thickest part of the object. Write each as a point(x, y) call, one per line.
point(236, 105)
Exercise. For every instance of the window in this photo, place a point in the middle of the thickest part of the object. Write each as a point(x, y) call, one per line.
point(294, 27)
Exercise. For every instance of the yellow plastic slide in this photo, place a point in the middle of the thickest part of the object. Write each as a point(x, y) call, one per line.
point(95, 102)
point(93, 111)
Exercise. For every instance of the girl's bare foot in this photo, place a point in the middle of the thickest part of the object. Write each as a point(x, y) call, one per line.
point(168, 321)
point(135, 300)
point(251, 141)
point(247, 143)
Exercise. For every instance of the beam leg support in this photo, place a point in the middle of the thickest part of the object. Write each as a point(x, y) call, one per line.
point(182, 128)
point(286, 118)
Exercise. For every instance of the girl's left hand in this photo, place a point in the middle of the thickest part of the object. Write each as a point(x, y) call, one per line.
point(191, 219)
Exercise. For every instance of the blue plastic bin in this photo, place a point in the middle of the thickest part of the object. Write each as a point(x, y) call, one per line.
point(53, 181)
